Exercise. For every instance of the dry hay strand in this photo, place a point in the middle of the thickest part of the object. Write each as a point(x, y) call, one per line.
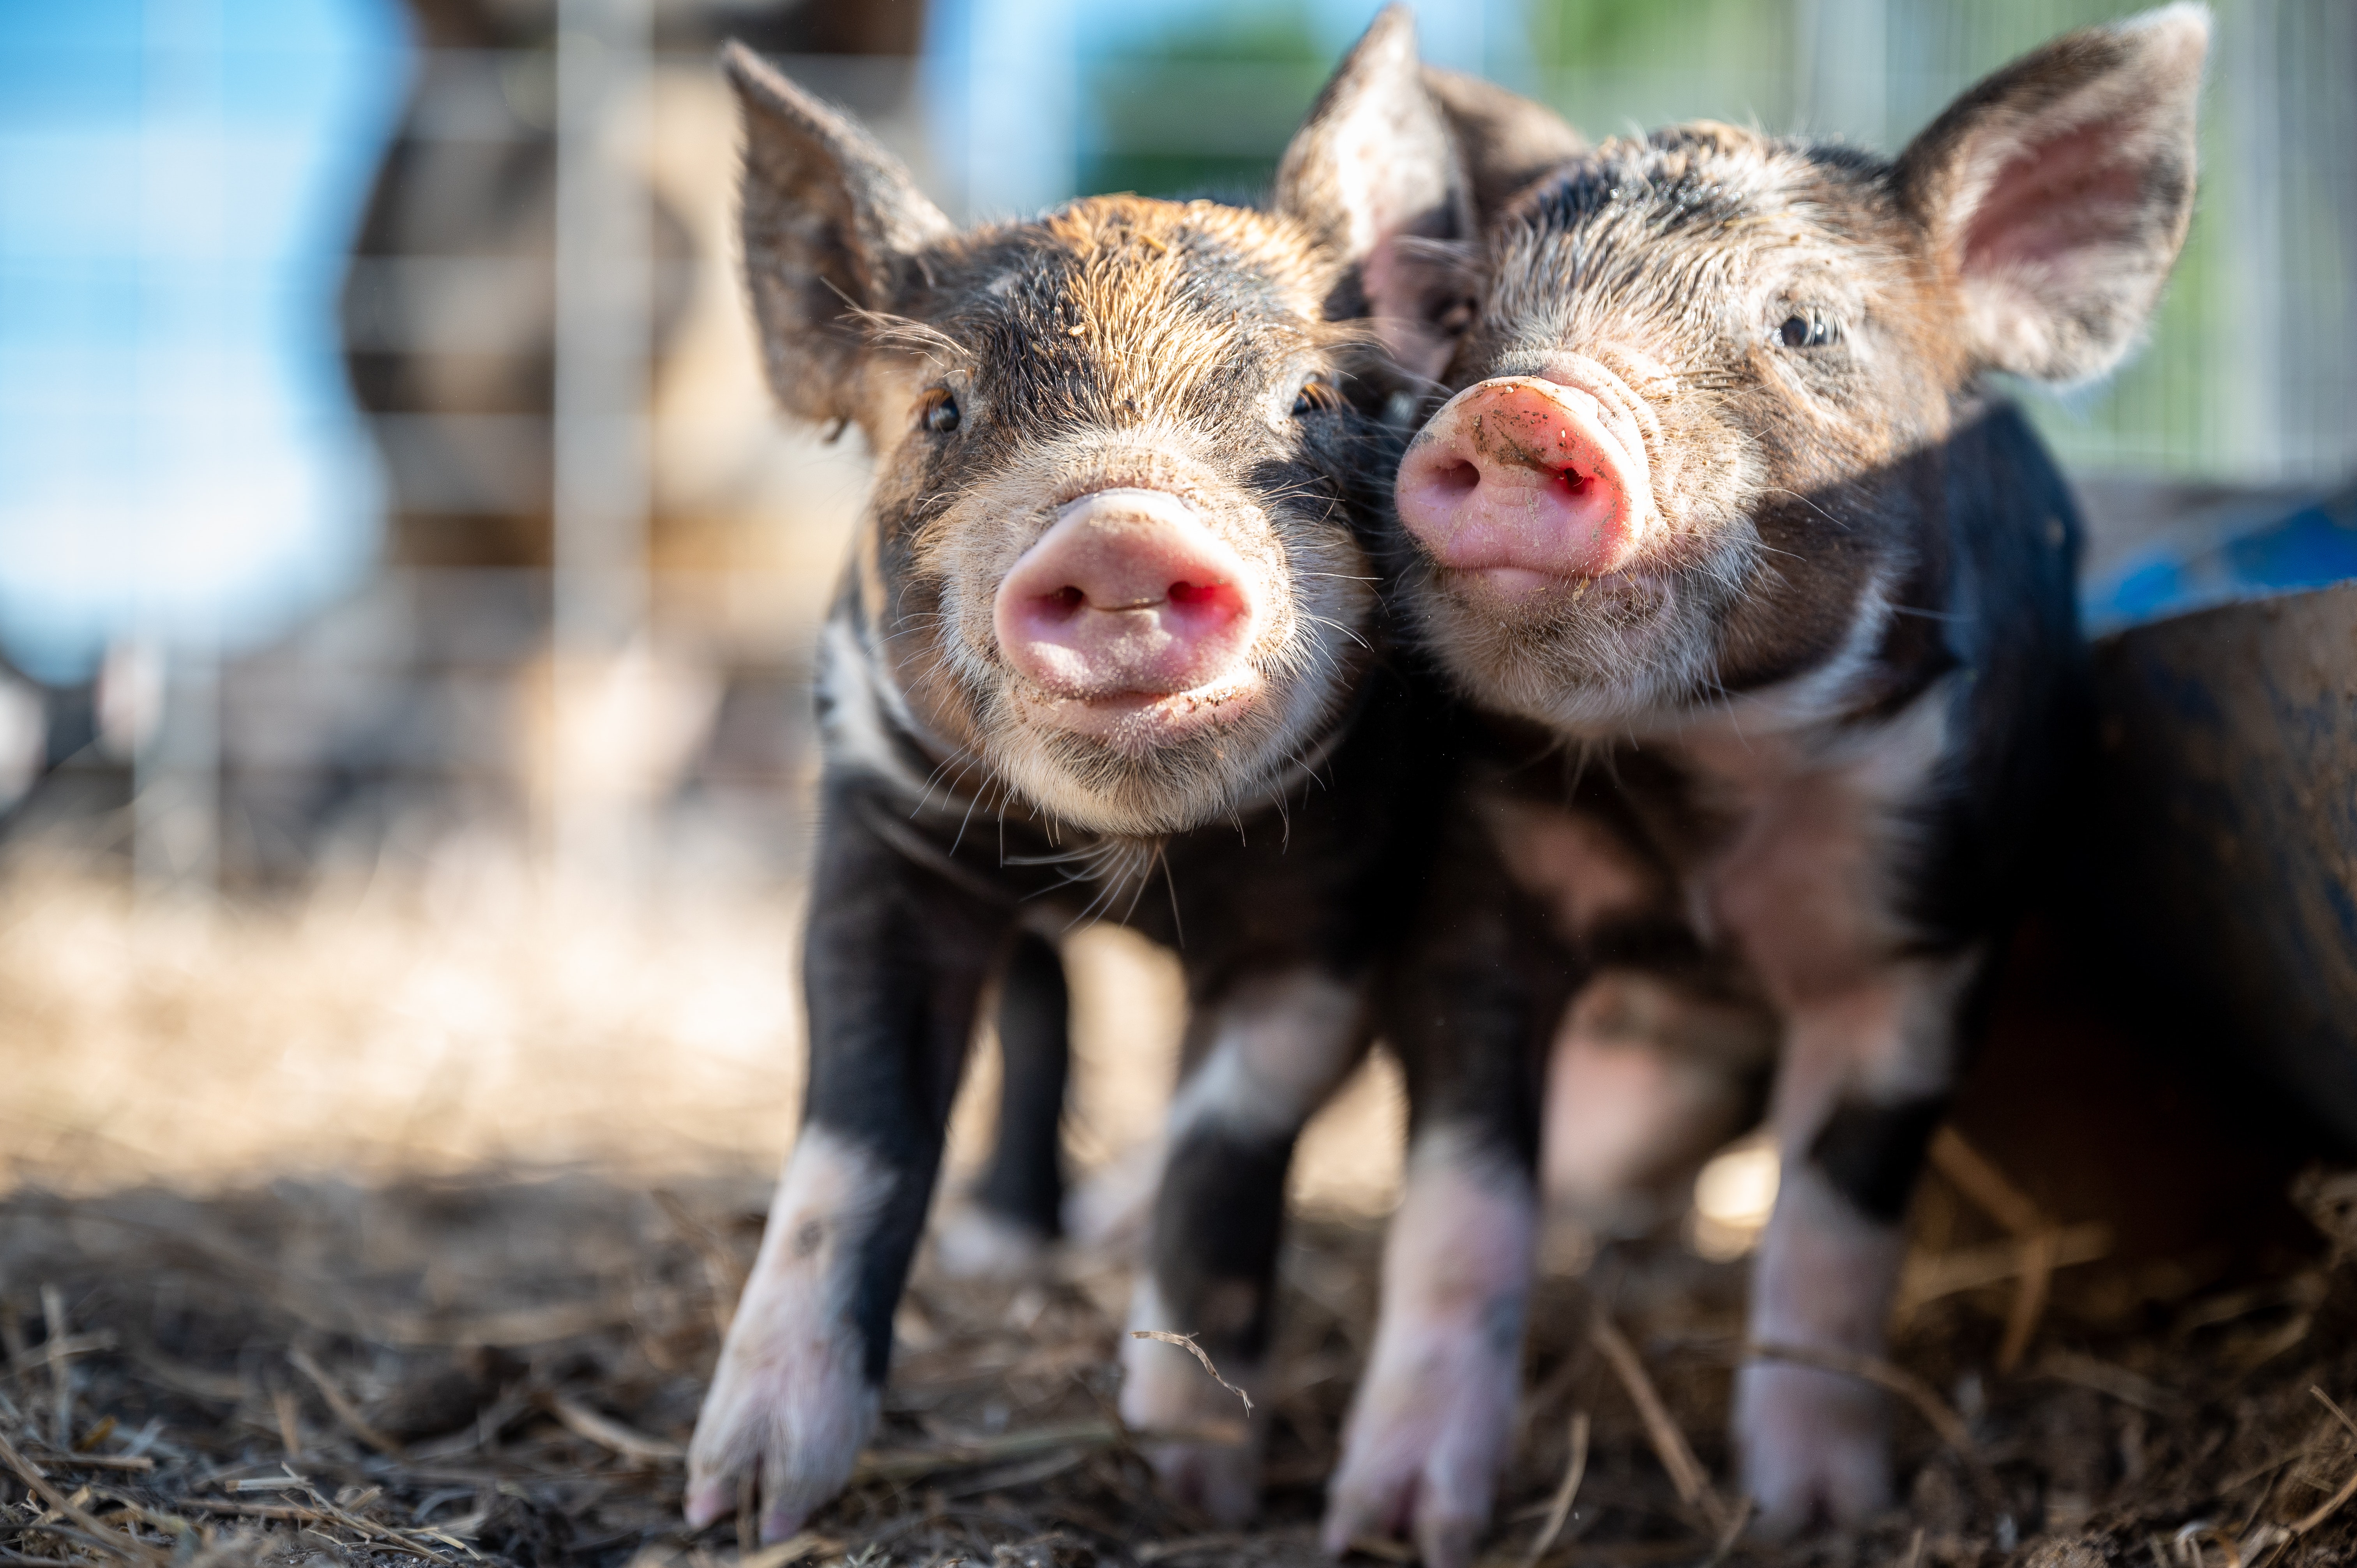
point(503, 1369)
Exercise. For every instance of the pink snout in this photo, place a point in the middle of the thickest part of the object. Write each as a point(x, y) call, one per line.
point(1127, 595)
point(1527, 483)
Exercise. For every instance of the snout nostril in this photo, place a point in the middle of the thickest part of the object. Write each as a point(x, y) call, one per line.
point(1575, 482)
point(1065, 601)
point(1458, 478)
point(1183, 593)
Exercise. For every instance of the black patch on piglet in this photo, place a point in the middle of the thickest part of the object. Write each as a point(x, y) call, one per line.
point(1872, 1154)
point(1024, 1182)
point(1217, 1222)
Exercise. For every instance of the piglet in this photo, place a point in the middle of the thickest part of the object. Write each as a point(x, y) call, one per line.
point(1725, 505)
point(1107, 647)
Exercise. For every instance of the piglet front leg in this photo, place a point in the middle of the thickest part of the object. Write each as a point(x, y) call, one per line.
point(1267, 1050)
point(893, 968)
point(1815, 1443)
point(1434, 1419)
point(1468, 1008)
point(792, 1401)
point(1862, 1087)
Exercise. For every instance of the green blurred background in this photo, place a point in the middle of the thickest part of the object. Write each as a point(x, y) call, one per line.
point(2247, 377)
point(296, 550)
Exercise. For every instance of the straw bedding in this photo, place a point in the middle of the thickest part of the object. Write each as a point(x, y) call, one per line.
point(486, 1361)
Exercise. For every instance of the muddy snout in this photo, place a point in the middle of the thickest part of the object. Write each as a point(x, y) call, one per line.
point(1127, 595)
point(1528, 483)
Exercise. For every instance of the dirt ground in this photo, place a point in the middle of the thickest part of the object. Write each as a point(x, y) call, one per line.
point(387, 1229)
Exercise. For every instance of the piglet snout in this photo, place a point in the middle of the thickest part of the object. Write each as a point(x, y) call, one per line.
point(1127, 595)
point(1528, 483)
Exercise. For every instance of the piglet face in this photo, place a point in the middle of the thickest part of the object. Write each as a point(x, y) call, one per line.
point(1113, 571)
point(1687, 343)
point(1113, 516)
point(1691, 452)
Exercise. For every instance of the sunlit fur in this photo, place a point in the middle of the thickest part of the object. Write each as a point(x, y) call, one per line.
point(1117, 342)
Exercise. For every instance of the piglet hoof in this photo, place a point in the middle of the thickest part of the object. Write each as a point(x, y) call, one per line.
point(1164, 1390)
point(790, 1418)
point(1442, 1541)
point(1423, 1451)
point(787, 1413)
point(1816, 1448)
point(1221, 1480)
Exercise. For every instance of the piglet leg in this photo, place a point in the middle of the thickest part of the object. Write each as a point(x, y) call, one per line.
point(1864, 1081)
point(792, 1401)
point(1266, 1053)
point(893, 967)
point(1467, 1008)
point(1434, 1418)
point(1016, 1208)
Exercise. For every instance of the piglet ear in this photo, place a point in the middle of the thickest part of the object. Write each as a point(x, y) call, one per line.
point(2056, 193)
point(1506, 141)
point(1375, 174)
point(833, 226)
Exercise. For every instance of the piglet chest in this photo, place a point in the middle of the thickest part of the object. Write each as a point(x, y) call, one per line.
point(1799, 853)
point(1790, 856)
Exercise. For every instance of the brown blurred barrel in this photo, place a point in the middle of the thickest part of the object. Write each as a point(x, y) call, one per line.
point(2230, 817)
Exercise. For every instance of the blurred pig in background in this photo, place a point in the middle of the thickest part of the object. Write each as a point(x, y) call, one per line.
point(452, 313)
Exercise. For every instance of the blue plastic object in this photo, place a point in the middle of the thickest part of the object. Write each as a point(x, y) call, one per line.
point(2312, 548)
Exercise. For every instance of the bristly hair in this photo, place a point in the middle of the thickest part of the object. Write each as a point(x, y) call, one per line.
point(1120, 866)
point(886, 331)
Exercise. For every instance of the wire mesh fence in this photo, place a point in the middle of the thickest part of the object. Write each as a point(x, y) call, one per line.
point(603, 559)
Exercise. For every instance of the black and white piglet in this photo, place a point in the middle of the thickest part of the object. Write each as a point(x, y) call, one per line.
point(1107, 648)
point(1724, 503)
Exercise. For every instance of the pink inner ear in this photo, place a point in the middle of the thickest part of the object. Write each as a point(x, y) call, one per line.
point(1409, 284)
point(2079, 191)
point(1394, 297)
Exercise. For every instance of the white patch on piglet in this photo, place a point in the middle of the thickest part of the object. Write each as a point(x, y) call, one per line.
point(1583, 871)
point(1108, 1209)
point(972, 1243)
point(1889, 1039)
point(858, 731)
point(1280, 1047)
point(1644, 1081)
point(790, 1403)
point(1814, 1444)
point(1808, 887)
point(1433, 1422)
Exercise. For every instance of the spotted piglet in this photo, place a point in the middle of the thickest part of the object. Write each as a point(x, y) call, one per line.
point(1724, 503)
point(1108, 647)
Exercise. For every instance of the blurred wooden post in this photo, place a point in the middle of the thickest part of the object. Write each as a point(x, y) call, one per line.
point(1841, 70)
point(602, 479)
point(2250, 404)
point(1021, 150)
point(167, 685)
point(175, 770)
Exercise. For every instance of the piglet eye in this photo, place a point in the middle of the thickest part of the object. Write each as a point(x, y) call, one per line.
point(938, 411)
point(1809, 331)
point(1317, 396)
